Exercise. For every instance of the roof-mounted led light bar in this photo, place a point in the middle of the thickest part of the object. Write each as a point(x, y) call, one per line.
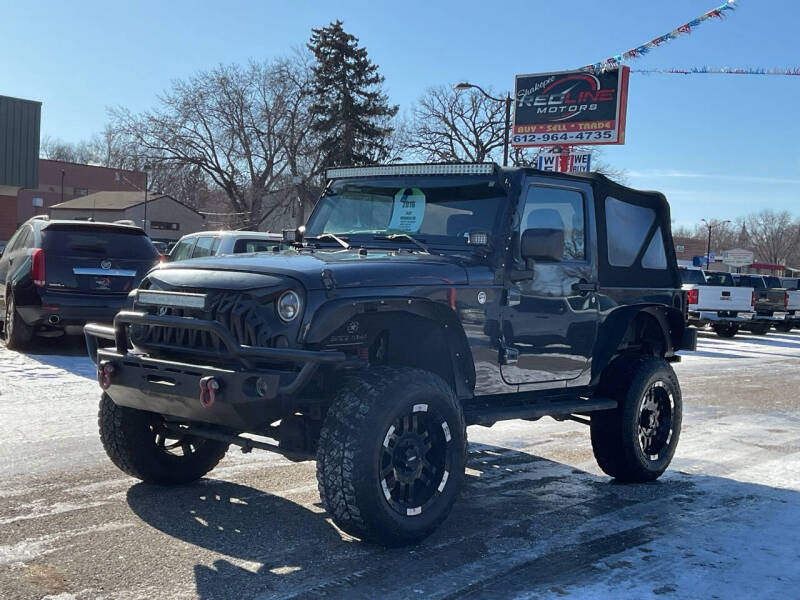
point(426, 169)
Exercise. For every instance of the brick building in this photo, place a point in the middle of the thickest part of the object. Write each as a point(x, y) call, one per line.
point(78, 180)
point(687, 248)
point(167, 218)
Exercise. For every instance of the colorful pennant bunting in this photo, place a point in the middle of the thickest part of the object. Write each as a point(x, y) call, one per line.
point(792, 71)
point(614, 61)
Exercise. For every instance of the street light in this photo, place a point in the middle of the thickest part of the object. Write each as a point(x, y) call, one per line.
point(146, 169)
point(710, 226)
point(506, 132)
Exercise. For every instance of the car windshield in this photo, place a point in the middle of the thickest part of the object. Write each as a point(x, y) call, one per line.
point(752, 281)
point(721, 279)
point(791, 284)
point(437, 212)
point(692, 276)
point(773, 282)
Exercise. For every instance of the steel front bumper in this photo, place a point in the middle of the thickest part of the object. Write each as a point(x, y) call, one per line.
point(246, 397)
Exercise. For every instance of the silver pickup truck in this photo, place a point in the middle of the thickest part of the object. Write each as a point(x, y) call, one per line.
point(714, 299)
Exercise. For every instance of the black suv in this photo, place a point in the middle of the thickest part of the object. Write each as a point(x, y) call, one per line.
point(419, 299)
point(57, 275)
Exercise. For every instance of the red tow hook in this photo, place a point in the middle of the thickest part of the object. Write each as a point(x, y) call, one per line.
point(208, 391)
point(104, 371)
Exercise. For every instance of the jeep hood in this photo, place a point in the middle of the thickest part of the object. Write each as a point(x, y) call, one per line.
point(347, 269)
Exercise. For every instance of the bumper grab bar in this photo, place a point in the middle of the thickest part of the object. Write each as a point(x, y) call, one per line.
point(310, 359)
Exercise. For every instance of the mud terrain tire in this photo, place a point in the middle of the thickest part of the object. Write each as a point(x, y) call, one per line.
point(136, 443)
point(386, 427)
point(636, 441)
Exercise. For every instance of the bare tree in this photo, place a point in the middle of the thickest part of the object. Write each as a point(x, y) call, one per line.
point(244, 129)
point(774, 236)
point(75, 152)
point(448, 125)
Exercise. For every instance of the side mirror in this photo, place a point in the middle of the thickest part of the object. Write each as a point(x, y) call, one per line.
point(545, 245)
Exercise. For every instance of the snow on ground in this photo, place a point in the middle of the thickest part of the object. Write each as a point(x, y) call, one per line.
point(537, 519)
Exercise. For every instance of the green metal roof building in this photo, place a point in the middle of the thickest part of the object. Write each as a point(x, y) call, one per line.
point(19, 143)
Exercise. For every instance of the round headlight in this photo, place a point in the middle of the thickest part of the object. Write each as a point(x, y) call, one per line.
point(288, 305)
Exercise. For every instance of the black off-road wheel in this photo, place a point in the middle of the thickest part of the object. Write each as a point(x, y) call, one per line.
point(759, 328)
point(391, 455)
point(636, 441)
point(17, 334)
point(726, 330)
point(137, 442)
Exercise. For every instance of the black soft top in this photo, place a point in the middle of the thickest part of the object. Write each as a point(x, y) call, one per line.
point(635, 275)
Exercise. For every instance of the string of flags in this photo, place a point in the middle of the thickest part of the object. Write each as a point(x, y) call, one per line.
point(791, 71)
point(614, 61)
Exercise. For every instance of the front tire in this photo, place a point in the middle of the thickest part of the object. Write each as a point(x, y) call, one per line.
point(636, 441)
point(138, 444)
point(726, 330)
point(391, 455)
point(18, 334)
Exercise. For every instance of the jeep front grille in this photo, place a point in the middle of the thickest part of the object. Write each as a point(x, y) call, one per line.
point(249, 321)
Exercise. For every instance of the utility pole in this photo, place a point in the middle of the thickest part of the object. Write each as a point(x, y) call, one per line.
point(507, 130)
point(709, 227)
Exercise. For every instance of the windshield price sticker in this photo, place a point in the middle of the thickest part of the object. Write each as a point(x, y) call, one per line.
point(407, 211)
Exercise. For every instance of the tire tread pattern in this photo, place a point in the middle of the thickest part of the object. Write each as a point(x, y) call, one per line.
point(612, 444)
point(337, 474)
point(128, 442)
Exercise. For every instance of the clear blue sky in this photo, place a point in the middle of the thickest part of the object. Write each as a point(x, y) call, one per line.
point(718, 145)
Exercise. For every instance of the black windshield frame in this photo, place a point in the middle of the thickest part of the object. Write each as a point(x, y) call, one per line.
point(496, 192)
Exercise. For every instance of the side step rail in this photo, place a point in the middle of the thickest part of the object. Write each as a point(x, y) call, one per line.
point(491, 415)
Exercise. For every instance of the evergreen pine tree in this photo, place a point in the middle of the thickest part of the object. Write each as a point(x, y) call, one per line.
point(350, 110)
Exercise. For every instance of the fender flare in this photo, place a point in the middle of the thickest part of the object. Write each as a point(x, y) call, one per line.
point(617, 325)
point(333, 314)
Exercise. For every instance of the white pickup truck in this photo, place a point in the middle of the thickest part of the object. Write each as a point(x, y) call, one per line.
point(714, 299)
point(792, 285)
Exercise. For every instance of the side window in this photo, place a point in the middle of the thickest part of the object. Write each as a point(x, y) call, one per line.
point(557, 208)
point(245, 245)
point(183, 250)
point(627, 226)
point(13, 242)
point(215, 245)
point(203, 247)
point(25, 239)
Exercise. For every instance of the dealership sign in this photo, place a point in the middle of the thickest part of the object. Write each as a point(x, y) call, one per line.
point(570, 108)
point(738, 257)
point(567, 162)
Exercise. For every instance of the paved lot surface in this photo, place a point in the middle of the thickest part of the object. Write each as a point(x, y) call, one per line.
point(537, 519)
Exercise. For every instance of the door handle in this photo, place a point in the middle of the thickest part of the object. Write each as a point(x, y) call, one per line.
point(584, 287)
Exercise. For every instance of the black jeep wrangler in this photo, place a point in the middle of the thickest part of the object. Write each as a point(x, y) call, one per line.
point(418, 300)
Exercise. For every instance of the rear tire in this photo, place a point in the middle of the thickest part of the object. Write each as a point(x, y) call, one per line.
point(18, 334)
point(784, 327)
point(391, 455)
point(760, 329)
point(726, 330)
point(138, 444)
point(636, 441)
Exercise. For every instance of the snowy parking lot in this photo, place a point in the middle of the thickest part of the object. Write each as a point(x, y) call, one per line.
point(536, 519)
